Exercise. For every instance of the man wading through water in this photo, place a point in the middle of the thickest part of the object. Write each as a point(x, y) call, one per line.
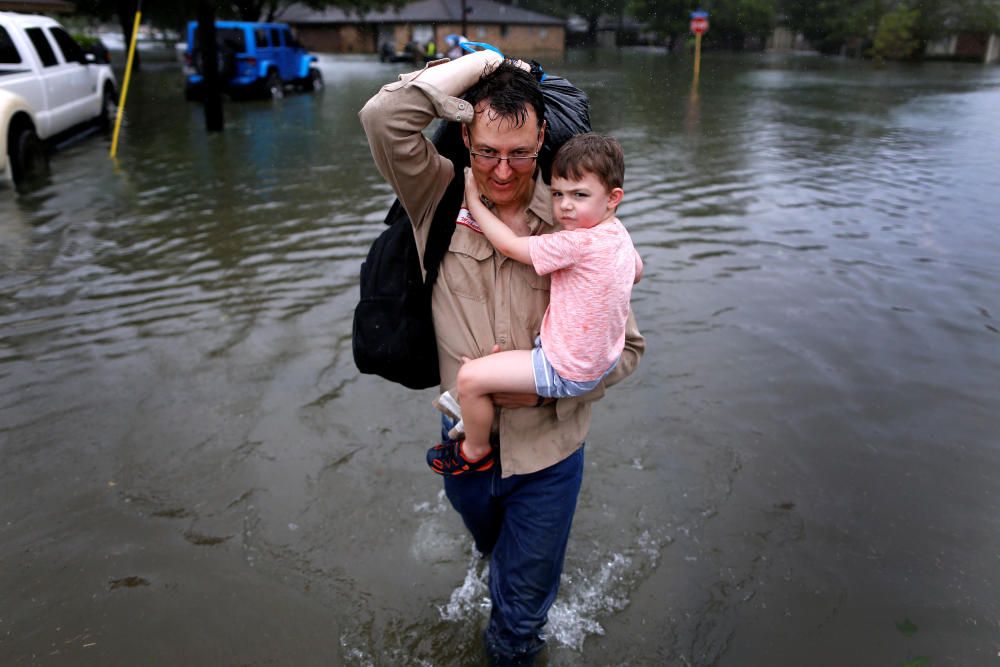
point(518, 511)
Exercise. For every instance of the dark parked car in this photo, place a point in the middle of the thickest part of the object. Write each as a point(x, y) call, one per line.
point(254, 59)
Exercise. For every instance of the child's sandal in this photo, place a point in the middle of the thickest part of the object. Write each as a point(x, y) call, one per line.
point(447, 459)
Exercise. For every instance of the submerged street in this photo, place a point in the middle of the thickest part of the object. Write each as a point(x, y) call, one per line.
point(803, 470)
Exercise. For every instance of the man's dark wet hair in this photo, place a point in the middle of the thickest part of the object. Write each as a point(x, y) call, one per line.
point(510, 91)
point(591, 154)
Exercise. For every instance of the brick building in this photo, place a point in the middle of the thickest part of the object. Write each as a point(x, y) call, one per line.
point(982, 47)
point(511, 29)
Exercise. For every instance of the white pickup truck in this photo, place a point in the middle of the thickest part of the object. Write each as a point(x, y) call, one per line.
point(48, 88)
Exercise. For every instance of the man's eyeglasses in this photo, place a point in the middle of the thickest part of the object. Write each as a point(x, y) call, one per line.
point(516, 162)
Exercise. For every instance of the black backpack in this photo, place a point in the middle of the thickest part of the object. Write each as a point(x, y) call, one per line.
point(393, 331)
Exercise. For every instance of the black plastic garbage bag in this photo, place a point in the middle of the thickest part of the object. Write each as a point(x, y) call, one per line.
point(567, 113)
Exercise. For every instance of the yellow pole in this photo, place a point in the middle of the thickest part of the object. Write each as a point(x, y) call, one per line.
point(128, 76)
point(697, 57)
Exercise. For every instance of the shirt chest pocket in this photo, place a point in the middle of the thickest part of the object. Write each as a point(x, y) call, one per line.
point(467, 268)
point(529, 296)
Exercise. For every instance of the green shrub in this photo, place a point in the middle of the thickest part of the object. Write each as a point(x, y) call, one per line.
point(895, 38)
point(86, 41)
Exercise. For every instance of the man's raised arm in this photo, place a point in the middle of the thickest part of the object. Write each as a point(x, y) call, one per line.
point(394, 120)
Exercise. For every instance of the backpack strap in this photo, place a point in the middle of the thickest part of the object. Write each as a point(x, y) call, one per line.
point(443, 223)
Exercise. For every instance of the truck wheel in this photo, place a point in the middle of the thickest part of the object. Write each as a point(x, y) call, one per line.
point(28, 162)
point(273, 87)
point(109, 108)
point(314, 82)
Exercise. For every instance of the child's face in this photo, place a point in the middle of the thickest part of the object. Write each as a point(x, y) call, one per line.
point(584, 203)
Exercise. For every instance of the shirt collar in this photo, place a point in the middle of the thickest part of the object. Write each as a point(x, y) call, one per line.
point(541, 200)
point(540, 205)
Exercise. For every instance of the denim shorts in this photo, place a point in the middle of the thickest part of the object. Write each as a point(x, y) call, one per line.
point(550, 384)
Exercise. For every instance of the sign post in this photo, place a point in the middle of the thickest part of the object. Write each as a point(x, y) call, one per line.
point(699, 25)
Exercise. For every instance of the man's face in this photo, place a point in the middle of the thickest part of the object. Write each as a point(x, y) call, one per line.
point(492, 136)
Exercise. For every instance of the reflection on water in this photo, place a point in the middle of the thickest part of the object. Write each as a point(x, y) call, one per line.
point(804, 459)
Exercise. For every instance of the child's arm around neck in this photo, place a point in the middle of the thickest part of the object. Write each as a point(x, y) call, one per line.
point(498, 233)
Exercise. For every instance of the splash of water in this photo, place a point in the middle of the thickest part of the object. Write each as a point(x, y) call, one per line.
point(575, 616)
point(472, 596)
point(427, 507)
point(597, 589)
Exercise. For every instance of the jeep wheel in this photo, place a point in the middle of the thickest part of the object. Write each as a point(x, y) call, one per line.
point(28, 162)
point(273, 87)
point(109, 109)
point(314, 82)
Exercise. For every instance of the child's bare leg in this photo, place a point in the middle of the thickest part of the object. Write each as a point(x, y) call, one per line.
point(501, 372)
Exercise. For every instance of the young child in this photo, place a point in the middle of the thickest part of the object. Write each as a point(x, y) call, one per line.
point(593, 265)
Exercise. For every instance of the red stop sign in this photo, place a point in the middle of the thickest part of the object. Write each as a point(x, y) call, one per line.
point(699, 25)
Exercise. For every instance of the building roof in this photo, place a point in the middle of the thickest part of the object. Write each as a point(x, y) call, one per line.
point(43, 6)
point(422, 11)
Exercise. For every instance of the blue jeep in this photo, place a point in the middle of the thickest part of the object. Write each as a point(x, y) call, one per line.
point(254, 59)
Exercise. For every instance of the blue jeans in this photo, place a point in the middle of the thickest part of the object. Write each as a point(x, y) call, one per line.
point(523, 523)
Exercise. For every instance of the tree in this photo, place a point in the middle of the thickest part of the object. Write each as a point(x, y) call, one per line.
point(175, 13)
point(670, 18)
point(257, 10)
point(831, 24)
point(734, 21)
point(207, 44)
point(123, 10)
point(942, 17)
point(267, 10)
point(895, 38)
point(590, 10)
point(170, 15)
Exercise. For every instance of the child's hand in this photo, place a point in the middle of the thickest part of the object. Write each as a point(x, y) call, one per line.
point(471, 192)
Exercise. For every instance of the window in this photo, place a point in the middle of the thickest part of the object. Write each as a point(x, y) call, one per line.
point(275, 39)
point(227, 38)
point(72, 53)
point(504, 29)
point(260, 37)
point(233, 39)
point(45, 52)
point(8, 52)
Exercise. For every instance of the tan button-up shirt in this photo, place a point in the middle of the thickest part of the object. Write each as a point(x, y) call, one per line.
point(481, 298)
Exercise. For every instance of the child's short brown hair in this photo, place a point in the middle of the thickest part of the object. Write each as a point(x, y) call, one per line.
point(591, 153)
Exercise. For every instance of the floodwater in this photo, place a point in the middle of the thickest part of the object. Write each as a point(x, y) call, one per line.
point(804, 470)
